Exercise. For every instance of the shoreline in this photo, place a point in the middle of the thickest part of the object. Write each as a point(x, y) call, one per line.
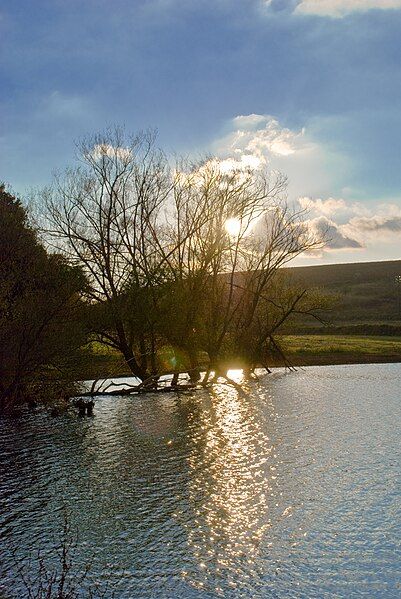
point(343, 361)
point(299, 363)
point(301, 350)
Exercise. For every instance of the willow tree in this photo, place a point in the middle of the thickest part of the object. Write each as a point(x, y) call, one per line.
point(179, 256)
point(205, 198)
point(242, 232)
point(104, 216)
point(110, 215)
point(265, 300)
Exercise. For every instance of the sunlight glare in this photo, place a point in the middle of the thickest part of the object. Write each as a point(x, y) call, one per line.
point(233, 226)
point(235, 374)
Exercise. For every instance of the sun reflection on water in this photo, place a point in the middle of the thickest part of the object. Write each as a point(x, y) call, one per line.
point(236, 375)
point(230, 493)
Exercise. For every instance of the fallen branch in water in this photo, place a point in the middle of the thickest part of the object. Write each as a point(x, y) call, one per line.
point(132, 389)
point(154, 384)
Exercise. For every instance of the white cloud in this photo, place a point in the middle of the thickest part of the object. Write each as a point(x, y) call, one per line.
point(384, 225)
point(243, 163)
point(256, 138)
point(326, 207)
point(340, 8)
point(351, 225)
point(260, 141)
point(110, 151)
point(333, 207)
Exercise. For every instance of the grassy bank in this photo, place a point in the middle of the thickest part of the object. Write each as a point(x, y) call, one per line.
point(303, 350)
point(341, 349)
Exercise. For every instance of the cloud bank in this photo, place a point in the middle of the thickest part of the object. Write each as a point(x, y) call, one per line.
point(351, 225)
point(340, 8)
point(257, 141)
point(335, 239)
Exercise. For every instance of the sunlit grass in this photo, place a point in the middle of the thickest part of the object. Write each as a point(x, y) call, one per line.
point(337, 344)
point(102, 361)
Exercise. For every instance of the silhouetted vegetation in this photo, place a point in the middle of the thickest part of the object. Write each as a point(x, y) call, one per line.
point(159, 269)
point(40, 330)
point(174, 268)
point(180, 260)
point(55, 576)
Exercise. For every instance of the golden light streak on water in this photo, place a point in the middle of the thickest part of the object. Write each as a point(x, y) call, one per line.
point(232, 516)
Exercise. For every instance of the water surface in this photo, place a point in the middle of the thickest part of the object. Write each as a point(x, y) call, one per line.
point(289, 490)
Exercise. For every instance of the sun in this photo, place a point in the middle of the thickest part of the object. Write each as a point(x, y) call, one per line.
point(233, 226)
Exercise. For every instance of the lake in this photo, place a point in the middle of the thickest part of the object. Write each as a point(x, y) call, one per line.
point(289, 490)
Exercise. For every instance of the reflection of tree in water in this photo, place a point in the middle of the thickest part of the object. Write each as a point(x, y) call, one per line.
point(232, 480)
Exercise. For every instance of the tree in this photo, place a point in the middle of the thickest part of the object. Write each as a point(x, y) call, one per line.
point(39, 302)
point(104, 216)
point(229, 265)
point(183, 256)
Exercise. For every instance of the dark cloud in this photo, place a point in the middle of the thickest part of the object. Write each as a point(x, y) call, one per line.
point(334, 238)
point(371, 224)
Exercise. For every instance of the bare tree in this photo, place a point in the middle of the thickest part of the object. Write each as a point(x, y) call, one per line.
point(244, 233)
point(266, 302)
point(183, 257)
point(104, 215)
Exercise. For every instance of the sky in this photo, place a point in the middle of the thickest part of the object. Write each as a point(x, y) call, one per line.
point(308, 87)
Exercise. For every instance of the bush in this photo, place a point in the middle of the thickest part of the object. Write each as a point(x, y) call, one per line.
point(40, 327)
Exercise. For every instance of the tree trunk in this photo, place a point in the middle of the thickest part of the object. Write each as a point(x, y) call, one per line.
point(128, 354)
point(194, 373)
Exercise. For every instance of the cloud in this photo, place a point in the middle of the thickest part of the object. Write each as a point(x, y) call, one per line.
point(351, 225)
point(340, 8)
point(114, 152)
point(326, 207)
point(335, 238)
point(313, 167)
point(376, 226)
point(327, 234)
point(333, 207)
point(245, 162)
point(261, 141)
point(259, 136)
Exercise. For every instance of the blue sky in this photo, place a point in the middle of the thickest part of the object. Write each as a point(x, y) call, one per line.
point(311, 87)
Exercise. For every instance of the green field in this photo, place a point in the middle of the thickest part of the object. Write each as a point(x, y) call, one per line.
point(368, 296)
point(302, 350)
point(341, 349)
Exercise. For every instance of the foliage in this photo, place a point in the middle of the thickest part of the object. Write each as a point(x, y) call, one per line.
point(39, 306)
point(163, 266)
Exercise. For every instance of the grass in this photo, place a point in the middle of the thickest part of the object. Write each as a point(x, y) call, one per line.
point(341, 349)
point(98, 361)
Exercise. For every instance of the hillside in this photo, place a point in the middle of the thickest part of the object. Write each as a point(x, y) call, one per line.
point(369, 295)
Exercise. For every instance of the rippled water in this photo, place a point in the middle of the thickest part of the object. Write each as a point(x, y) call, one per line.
point(290, 490)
